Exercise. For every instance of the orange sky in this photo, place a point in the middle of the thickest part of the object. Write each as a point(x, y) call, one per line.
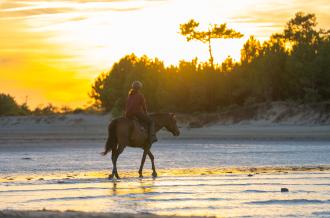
point(51, 51)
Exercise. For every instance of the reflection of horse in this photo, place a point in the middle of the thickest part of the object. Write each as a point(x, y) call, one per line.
point(144, 187)
point(124, 132)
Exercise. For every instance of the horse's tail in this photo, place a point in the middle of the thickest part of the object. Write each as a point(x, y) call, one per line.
point(112, 139)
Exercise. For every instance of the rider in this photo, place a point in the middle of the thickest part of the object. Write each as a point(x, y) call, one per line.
point(136, 107)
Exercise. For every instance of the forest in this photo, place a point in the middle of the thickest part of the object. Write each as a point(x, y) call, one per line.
point(293, 65)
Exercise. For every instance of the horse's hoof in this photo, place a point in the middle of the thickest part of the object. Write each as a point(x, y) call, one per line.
point(154, 174)
point(140, 176)
point(110, 177)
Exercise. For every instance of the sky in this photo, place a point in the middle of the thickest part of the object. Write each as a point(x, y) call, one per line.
point(52, 51)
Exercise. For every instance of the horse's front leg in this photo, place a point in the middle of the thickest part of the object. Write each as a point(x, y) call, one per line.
point(142, 163)
point(151, 156)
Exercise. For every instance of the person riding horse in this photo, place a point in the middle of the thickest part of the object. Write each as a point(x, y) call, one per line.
point(122, 133)
point(136, 107)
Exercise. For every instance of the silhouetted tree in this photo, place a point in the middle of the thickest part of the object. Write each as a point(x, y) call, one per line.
point(301, 29)
point(306, 43)
point(251, 50)
point(49, 109)
point(8, 106)
point(215, 31)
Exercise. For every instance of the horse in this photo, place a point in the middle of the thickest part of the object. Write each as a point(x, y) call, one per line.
point(124, 132)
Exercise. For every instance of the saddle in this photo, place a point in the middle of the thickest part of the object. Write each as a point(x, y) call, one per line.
point(138, 125)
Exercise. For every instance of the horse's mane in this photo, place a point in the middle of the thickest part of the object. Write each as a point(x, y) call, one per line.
point(153, 115)
point(158, 114)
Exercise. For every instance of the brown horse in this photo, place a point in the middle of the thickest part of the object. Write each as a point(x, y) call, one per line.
point(125, 132)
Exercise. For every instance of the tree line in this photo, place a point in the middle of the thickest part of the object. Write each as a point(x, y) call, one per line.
point(293, 65)
point(10, 107)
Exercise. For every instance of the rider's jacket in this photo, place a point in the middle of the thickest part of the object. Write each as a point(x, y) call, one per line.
point(136, 104)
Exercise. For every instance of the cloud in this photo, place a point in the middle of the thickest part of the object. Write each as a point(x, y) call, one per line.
point(10, 4)
point(270, 17)
point(10, 10)
point(79, 18)
point(35, 11)
point(89, 1)
point(5, 61)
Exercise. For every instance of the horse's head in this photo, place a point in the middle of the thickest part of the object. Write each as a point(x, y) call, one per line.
point(171, 125)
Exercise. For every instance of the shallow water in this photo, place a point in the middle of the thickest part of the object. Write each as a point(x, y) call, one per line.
point(234, 195)
point(71, 175)
point(85, 155)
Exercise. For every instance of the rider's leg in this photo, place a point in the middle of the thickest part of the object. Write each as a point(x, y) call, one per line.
point(151, 127)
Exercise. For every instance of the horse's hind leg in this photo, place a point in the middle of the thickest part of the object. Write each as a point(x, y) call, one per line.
point(114, 161)
point(142, 163)
point(119, 151)
point(152, 158)
point(114, 167)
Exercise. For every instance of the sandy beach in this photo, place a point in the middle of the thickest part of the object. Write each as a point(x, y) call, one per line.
point(51, 167)
point(94, 127)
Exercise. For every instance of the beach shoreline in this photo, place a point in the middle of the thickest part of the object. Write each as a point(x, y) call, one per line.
point(68, 176)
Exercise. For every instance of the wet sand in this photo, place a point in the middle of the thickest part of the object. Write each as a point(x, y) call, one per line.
point(74, 214)
point(220, 192)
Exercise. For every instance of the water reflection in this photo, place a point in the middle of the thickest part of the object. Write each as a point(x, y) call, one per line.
point(141, 186)
point(147, 185)
point(114, 188)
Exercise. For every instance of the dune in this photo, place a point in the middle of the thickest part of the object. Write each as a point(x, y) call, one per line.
point(275, 121)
